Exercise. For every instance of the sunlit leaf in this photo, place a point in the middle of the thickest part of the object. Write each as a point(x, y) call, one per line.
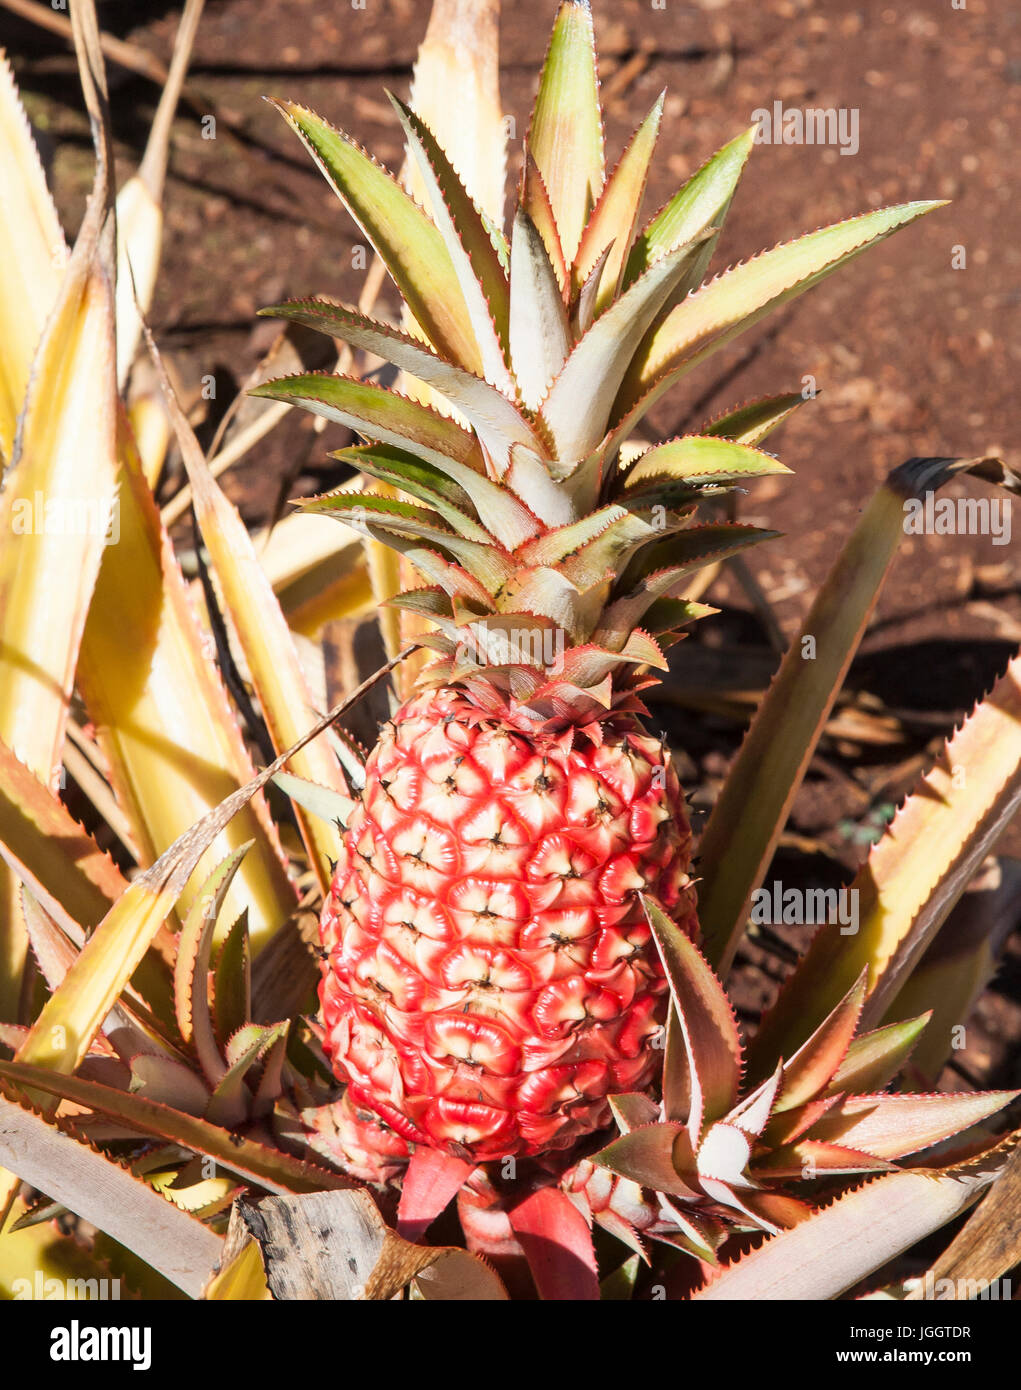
point(406, 240)
point(251, 1161)
point(703, 201)
point(33, 255)
point(612, 226)
point(854, 1235)
point(566, 131)
point(740, 296)
point(162, 715)
point(476, 261)
point(100, 1191)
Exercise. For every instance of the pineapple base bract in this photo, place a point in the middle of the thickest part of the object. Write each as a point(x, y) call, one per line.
point(491, 978)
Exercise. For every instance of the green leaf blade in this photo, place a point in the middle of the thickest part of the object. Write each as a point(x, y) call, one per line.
point(408, 243)
point(566, 131)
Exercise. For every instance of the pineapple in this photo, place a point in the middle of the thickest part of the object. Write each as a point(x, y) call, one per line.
point(490, 978)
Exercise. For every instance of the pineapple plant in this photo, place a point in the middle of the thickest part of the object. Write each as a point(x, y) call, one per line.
point(490, 978)
point(523, 1009)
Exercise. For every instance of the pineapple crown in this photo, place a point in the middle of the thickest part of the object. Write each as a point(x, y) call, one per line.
point(556, 550)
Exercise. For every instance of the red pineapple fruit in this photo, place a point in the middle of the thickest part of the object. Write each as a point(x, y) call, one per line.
point(491, 977)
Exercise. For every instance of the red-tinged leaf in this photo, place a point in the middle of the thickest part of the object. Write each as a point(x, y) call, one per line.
point(128, 1025)
point(498, 420)
point(379, 413)
point(706, 1020)
point(723, 1193)
point(424, 482)
point(502, 513)
point(432, 1180)
point(698, 1235)
point(404, 528)
point(874, 1059)
point(12, 1035)
point(566, 131)
point(59, 857)
point(648, 1156)
point(231, 1101)
point(657, 574)
point(583, 314)
point(577, 408)
point(811, 1157)
point(700, 459)
point(856, 1234)
point(53, 951)
point(169, 1082)
point(540, 335)
point(633, 1110)
point(958, 965)
point(753, 1113)
point(727, 305)
point(251, 1161)
point(784, 1129)
point(740, 838)
point(778, 1210)
point(475, 259)
point(930, 850)
point(623, 1231)
point(241, 1043)
point(529, 477)
point(407, 242)
point(608, 551)
point(813, 1065)
point(703, 201)
point(611, 228)
point(535, 203)
point(271, 1080)
point(232, 982)
point(986, 1248)
point(891, 1126)
point(724, 1154)
point(191, 972)
point(750, 423)
point(556, 546)
point(558, 1246)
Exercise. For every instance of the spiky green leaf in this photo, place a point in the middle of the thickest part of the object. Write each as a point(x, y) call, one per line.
point(409, 244)
point(566, 131)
